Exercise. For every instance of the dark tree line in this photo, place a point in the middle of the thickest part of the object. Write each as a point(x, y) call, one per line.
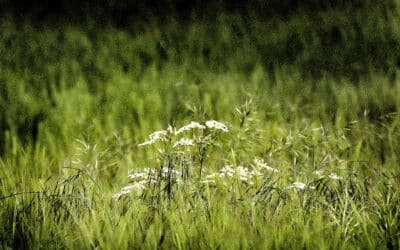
point(122, 12)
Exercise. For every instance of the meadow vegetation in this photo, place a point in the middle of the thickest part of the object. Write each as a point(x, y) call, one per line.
point(278, 133)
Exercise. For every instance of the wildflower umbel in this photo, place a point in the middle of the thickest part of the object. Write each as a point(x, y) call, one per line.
point(260, 163)
point(162, 135)
point(128, 189)
point(138, 175)
point(184, 142)
point(155, 137)
point(300, 186)
point(216, 125)
point(334, 176)
point(321, 173)
point(192, 125)
point(239, 173)
point(176, 163)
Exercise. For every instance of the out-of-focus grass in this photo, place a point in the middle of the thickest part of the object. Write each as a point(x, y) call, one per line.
point(76, 101)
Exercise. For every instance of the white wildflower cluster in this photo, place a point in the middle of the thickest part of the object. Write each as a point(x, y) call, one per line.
point(227, 171)
point(191, 126)
point(216, 125)
point(245, 174)
point(128, 189)
point(300, 186)
point(165, 172)
point(150, 174)
point(138, 175)
point(155, 137)
point(334, 176)
point(141, 179)
point(211, 124)
point(323, 174)
point(184, 142)
point(162, 135)
point(319, 173)
point(259, 163)
point(182, 162)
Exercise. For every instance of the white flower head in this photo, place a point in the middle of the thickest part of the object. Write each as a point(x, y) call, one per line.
point(121, 193)
point(242, 171)
point(227, 171)
point(322, 173)
point(216, 125)
point(261, 164)
point(166, 171)
point(158, 135)
point(211, 176)
point(150, 171)
point(208, 181)
point(184, 142)
point(138, 175)
point(334, 176)
point(155, 137)
point(128, 189)
point(255, 173)
point(135, 186)
point(319, 172)
point(192, 125)
point(299, 186)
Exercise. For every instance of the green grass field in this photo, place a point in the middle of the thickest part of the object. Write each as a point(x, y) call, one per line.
point(309, 157)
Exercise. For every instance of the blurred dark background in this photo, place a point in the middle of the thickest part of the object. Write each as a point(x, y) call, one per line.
point(123, 13)
point(345, 38)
